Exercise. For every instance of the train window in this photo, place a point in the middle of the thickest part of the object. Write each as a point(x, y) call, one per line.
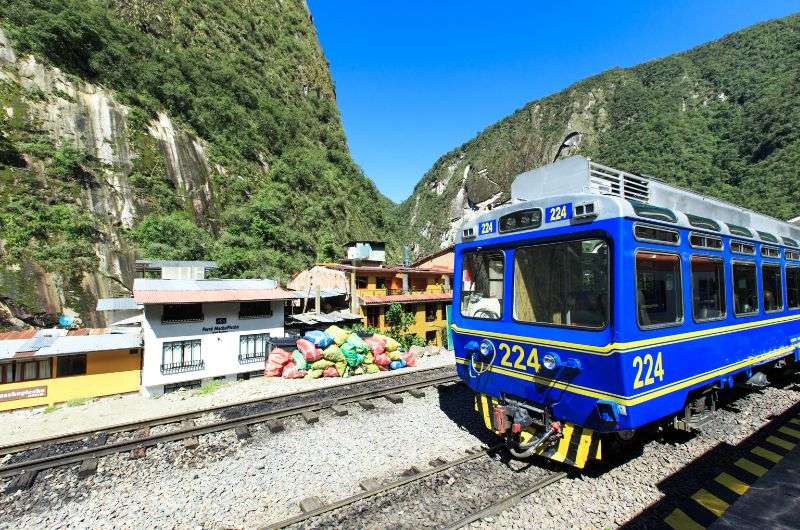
point(792, 255)
point(745, 292)
point(772, 287)
point(653, 212)
point(741, 247)
point(703, 222)
point(482, 285)
point(770, 252)
point(654, 234)
point(766, 236)
point(793, 287)
point(739, 230)
point(789, 242)
point(708, 288)
point(562, 284)
point(658, 289)
point(703, 241)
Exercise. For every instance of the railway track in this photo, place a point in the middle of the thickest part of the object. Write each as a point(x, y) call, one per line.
point(497, 505)
point(316, 400)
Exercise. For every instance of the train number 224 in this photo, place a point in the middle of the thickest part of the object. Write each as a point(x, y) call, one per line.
point(521, 361)
point(649, 367)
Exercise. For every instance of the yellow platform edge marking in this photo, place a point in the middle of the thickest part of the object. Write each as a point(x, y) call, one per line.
point(680, 521)
point(710, 502)
point(780, 442)
point(766, 453)
point(732, 483)
point(751, 467)
point(791, 432)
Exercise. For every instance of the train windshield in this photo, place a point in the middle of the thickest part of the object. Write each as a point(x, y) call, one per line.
point(563, 284)
point(482, 285)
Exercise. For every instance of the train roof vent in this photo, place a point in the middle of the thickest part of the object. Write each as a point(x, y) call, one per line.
point(609, 181)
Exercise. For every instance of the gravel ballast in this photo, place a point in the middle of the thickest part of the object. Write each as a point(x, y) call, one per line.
point(30, 424)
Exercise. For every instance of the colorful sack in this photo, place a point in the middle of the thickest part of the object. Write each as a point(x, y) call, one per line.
point(376, 345)
point(382, 359)
point(299, 360)
point(358, 343)
point(330, 371)
point(277, 359)
point(338, 334)
point(408, 358)
point(309, 350)
point(391, 344)
point(290, 371)
point(395, 355)
point(382, 368)
point(332, 353)
point(314, 374)
point(341, 367)
point(373, 368)
point(320, 339)
point(351, 355)
point(359, 371)
point(397, 364)
point(369, 359)
point(321, 364)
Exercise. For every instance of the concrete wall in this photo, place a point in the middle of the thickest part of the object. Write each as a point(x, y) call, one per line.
point(219, 346)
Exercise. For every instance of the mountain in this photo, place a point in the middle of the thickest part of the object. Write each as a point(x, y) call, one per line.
point(722, 119)
point(170, 129)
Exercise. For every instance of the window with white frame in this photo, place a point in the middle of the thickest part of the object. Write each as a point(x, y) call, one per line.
point(253, 348)
point(181, 356)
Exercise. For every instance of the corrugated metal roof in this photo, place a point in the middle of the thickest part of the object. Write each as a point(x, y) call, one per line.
point(48, 345)
point(14, 335)
point(172, 263)
point(117, 304)
point(147, 284)
point(406, 298)
point(188, 297)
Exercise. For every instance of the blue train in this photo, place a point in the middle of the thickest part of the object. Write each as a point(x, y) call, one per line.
point(598, 302)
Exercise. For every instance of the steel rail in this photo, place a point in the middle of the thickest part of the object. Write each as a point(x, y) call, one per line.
point(506, 502)
point(179, 417)
point(80, 455)
point(383, 489)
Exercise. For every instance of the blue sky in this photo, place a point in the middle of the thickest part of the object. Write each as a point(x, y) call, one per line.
point(416, 79)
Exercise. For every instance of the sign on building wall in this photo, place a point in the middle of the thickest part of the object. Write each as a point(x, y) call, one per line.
point(23, 393)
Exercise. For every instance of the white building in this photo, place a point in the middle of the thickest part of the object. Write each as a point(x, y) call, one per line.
point(199, 330)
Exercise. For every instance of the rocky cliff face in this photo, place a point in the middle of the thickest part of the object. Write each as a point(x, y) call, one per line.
point(43, 100)
point(721, 118)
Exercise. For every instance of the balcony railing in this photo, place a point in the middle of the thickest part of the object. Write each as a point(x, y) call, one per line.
point(185, 366)
point(252, 358)
point(434, 289)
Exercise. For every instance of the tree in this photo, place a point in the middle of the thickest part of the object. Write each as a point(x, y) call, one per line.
point(173, 236)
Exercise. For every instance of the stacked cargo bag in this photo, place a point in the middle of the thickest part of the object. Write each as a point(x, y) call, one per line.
point(394, 365)
point(310, 352)
point(332, 353)
point(330, 371)
point(375, 344)
point(351, 355)
point(320, 339)
point(290, 371)
point(299, 360)
point(277, 359)
point(322, 364)
point(408, 358)
point(357, 343)
point(391, 344)
point(338, 334)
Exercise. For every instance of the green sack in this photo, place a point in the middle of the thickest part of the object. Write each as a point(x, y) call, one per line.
point(341, 367)
point(333, 354)
point(358, 343)
point(321, 364)
point(372, 368)
point(299, 360)
point(351, 355)
point(314, 374)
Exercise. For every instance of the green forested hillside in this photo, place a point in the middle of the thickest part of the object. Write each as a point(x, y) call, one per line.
point(247, 78)
point(723, 119)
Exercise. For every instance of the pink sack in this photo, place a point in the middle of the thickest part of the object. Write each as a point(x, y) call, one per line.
point(290, 371)
point(330, 371)
point(381, 359)
point(309, 351)
point(409, 358)
point(376, 345)
point(383, 368)
point(275, 362)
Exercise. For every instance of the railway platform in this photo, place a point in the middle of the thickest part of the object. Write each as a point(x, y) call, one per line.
point(759, 490)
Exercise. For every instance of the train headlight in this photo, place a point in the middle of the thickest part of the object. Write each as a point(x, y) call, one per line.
point(551, 361)
point(486, 348)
